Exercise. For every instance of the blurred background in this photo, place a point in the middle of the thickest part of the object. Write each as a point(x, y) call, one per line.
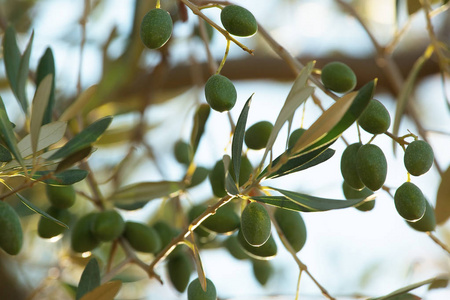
point(351, 253)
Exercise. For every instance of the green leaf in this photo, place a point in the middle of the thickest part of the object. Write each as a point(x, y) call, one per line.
point(45, 67)
point(136, 195)
point(50, 134)
point(413, 6)
point(37, 210)
point(106, 291)
point(281, 202)
point(67, 177)
point(439, 284)
point(298, 94)
point(442, 210)
point(238, 139)
point(200, 117)
point(7, 133)
point(78, 105)
point(72, 159)
point(90, 278)
point(5, 155)
point(11, 54)
point(23, 75)
point(320, 204)
point(231, 186)
point(83, 139)
point(40, 102)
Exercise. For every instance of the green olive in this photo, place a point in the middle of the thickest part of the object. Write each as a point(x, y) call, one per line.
point(156, 28)
point(293, 227)
point(179, 268)
point(267, 251)
point(225, 220)
point(427, 222)
point(375, 118)
point(351, 193)
point(196, 292)
point(257, 135)
point(255, 224)
point(141, 237)
point(217, 175)
point(294, 137)
point(371, 165)
point(418, 158)
point(48, 228)
point(200, 174)
point(220, 93)
point(245, 170)
point(61, 196)
point(262, 270)
point(108, 225)
point(348, 166)
point(410, 202)
point(234, 247)
point(183, 152)
point(82, 238)
point(11, 237)
point(338, 77)
point(193, 213)
point(238, 21)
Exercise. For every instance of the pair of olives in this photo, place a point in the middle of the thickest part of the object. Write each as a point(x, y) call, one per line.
point(364, 165)
point(224, 221)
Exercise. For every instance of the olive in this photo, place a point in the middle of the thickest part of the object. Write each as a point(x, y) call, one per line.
point(293, 227)
point(179, 268)
point(351, 193)
point(245, 170)
point(371, 165)
point(294, 137)
point(220, 93)
point(217, 175)
point(183, 152)
point(427, 222)
point(200, 174)
point(223, 221)
point(61, 196)
point(410, 202)
point(255, 224)
point(234, 247)
point(262, 269)
point(266, 251)
point(141, 237)
point(156, 28)
point(238, 21)
point(108, 225)
point(418, 158)
point(196, 292)
point(193, 213)
point(82, 238)
point(11, 237)
point(348, 166)
point(48, 228)
point(375, 118)
point(257, 135)
point(338, 77)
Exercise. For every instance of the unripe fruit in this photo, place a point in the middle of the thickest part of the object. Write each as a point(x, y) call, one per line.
point(47, 228)
point(220, 93)
point(11, 237)
point(142, 237)
point(209, 30)
point(255, 224)
point(262, 269)
point(156, 28)
point(195, 291)
point(338, 77)
point(217, 175)
point(245, 170)
point(200, 174)
point(265, 252)
point(61, 196)
point(179, 268)
point(418, 158)
point(375, 118)
point(234, 247)
point(351, 193)
point(165, 233)
point(293, 227)
point(183, 152)
point(427, 222)
point(223, 221)
point(238, 21)
point(82, 238)
point(348, 166)
point(193, 213)
point(371, 165)
point(410, 202)
point(108, 225)
point(295, 135)
point(257, 135)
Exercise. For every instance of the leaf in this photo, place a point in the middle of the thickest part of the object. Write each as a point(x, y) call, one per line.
point(298, 94)
point(282, 202)
point(67, 177)
point(72, 159)
point(238, 139)
point(320, 204)
point(11, 54)
point(106, 291)
point(410, 288)
point(37, 210)
point(45, 67)
point(30, 163)
point(83, 139)
point(136, 195)
point(230, 185)
point(200, 117)
point(7, 133)
point(50, 134)
point(22, 76)
point(407, 89)
point(77, 106)
point(413, 6)
point(90, 278)
point(442, 210)
point(5, 155)
point(439, 284)
point(40, 102)
point(199, 267)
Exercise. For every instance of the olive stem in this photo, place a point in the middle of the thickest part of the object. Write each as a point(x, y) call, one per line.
point(439, 242)
point(297, 292)
point(224, 58)
point(23, 186)
point(158, 3)
point(111, 273)
point(398, 140)
point(204, 35)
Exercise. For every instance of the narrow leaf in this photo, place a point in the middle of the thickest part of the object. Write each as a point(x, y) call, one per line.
point(230, 185)
point(23, 75)
point(66, 177)
point(199, 267)
point(77, 106)
point(83, 139)
point(200, 117)
point(238, 139)
point(40, 102)
point(136, 195)
point(72, 159)
point(90, 278)
point(106, 291)
point(281, 202)
point(11, 55)
point(46, 67)
point(7, 133)
point(37, 210)
point(49, 135)
point(442, 210)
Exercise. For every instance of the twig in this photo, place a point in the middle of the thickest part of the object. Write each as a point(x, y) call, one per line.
point(111, 273)
point(437, 241)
